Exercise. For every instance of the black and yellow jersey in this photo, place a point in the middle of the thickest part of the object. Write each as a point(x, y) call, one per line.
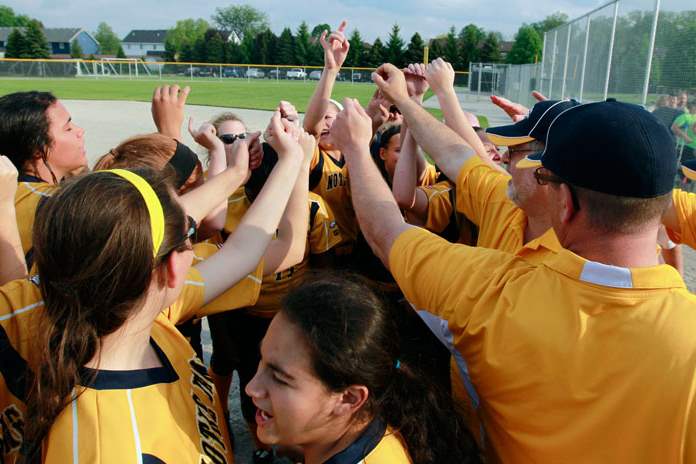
point(378, 444)
point(443, 218)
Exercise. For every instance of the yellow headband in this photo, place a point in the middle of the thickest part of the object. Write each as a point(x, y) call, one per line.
point(154, 207)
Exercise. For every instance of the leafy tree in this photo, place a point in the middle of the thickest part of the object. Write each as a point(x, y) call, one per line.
point(8, 18)
point(243, 20)
point(302, 45)
point(183, 37)
point(395, 47)
point(215, 46)
point(550, 22)
point(490, 48)
point(120, 53)
point(414, 50)
point(75, 49)
point(108, 40)
point(318, 29)
point(36, 43)
point(233, 53)
point(286, 45)
point(16, 44)
point(356, 52)
point(246, 49)
point(451, 51)
point(527, 46)
point(470, 39)
point(377, 54)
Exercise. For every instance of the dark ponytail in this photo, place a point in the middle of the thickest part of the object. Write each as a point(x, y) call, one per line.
point(93, 249)
point(353, 339)
point(381, 140)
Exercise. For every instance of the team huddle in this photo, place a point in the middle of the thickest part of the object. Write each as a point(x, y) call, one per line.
point(389, 288)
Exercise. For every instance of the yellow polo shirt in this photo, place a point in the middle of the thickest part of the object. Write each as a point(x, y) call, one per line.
point(26, 201)
point(482, 197)
point(572, 360)
point(685, 207)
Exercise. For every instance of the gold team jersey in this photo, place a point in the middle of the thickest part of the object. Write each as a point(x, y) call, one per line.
point(26, 201)
point(377, 444)
point(443, 219)
point(328, 178)
point(429, 176)
point(165, 414)
point(685, 207)
point(570, 360)
point(482, 197)
point(322, 235)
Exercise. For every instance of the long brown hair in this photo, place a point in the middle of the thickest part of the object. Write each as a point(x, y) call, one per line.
point(146, 151)
point(93, 249)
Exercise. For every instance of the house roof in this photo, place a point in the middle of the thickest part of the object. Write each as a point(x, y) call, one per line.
point(146, 36)
point(53, 34)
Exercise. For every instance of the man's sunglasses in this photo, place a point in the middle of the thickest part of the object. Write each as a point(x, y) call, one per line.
point(228, 139)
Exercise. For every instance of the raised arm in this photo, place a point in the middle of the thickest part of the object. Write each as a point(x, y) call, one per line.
point(12, 264)
point(168, 104)
point(405, 182)
point(448, 149)
point(335, 52)
point(247, 244)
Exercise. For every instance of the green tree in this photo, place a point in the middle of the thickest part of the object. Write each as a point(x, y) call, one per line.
point(8, 18)
point(470, 39)
point(286, 45)
point(395, 47)
point(246, 49)
point(490, 48)
point(550, 22)
point(377, 54)
point(75, 49)
point(451, 51)
point(356, 52)
point(16, 44)
point(120, 53)
point(318, 29)
point(437, 49)
point(108, 40)
point(414, 49)
point(243, 20)
point(183, 37)
point(36, 43)
point(303, 46)
point(527, 46)
point(215, 47)
point(265, 48)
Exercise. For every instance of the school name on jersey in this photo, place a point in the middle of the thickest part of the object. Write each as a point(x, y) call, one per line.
point(335, 180)
point(12, 423)
point(204, 396)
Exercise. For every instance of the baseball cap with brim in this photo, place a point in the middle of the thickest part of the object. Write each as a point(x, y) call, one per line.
point(610, 147)
point(533, 127)
point(689, 169)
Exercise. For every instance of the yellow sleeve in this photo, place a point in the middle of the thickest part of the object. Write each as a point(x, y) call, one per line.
point(243, 294)
point(443, 278)
point(324, 233)
point(190, 299)
point(480, 191)
point(26, 201)
point(315, 157)
point(439, 206)
point(430, 175)
point(237, 206)
point(685, 207)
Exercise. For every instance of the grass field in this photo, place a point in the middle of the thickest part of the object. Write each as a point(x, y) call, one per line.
point(232, 93)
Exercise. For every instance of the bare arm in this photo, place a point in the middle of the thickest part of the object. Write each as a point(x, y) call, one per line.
point(168, 104)
point(12, 264)
point(199, 202)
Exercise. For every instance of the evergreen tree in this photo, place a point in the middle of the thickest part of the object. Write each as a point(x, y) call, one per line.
point(470, 39)
point(246, 49)
point(75, 49)
point(377, 54)
point(286, 44)
point(36, 43)
point(16, 44)
point(437, 49)
point(395, 47)
point(215, 47)
point(265, 46)
point(356, 52)
point(451, 51)
point(527, 46)
point(108, 40)
point(186, 55)
point(414, 50)
point(233, 53)
point(120, 53)
point(490, 48)
point(303, 49)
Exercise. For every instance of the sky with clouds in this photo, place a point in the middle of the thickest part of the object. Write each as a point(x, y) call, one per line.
point(373, 19)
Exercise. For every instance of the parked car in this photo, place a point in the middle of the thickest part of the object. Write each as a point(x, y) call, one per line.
point(256, 73)
point(275, 74)
point(357, 77)
point(230, 72)
point(204, 72)
point(315, 75)
point(296, 73)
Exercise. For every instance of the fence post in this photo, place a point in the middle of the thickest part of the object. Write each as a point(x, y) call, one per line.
point(220, 69)
point(653, 34)
point(553, 62)
point(480, 68)
point(468, 84)
point(611, 49)
point(160, 70)
point(543, 59)
point(584, 57)
point(190, 72)
point(565, 62)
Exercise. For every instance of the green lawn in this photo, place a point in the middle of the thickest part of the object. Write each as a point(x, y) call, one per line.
point(232, 93)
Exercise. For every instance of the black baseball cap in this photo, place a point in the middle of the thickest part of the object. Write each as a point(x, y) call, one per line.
point(533, 127)
point(610, 147)
point(689, 169)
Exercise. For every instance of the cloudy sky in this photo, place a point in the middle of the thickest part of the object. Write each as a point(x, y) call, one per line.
point(372, 18)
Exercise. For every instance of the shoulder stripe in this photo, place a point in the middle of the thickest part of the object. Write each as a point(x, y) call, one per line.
point(134, 425)
point(21, 310)
point(33, 190)
point(194, 283)
point(254, 278)
point(75, 447)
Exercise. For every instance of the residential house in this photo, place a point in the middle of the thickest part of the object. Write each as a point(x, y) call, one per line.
point(59, 41)
point(145, 44)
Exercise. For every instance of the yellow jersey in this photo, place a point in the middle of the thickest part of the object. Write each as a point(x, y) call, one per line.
point(443, 218)
point(570, 360)
point(685, 207)
point(377, 444)
point(26, 201)
point(429, 176)
point(328, 178)
point(322, 235)
point(482, 197)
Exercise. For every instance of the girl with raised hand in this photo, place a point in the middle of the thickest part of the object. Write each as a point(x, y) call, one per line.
point(109, 377)
point(332, 383)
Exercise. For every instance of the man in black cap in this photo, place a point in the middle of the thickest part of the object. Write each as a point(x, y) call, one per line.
point(580, 353)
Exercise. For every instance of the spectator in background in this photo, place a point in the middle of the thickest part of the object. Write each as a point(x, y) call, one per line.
point(683, 128)
point(665, 110)
point(682, 100)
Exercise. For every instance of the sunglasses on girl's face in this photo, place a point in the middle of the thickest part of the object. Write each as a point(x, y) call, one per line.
point(228, 139)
